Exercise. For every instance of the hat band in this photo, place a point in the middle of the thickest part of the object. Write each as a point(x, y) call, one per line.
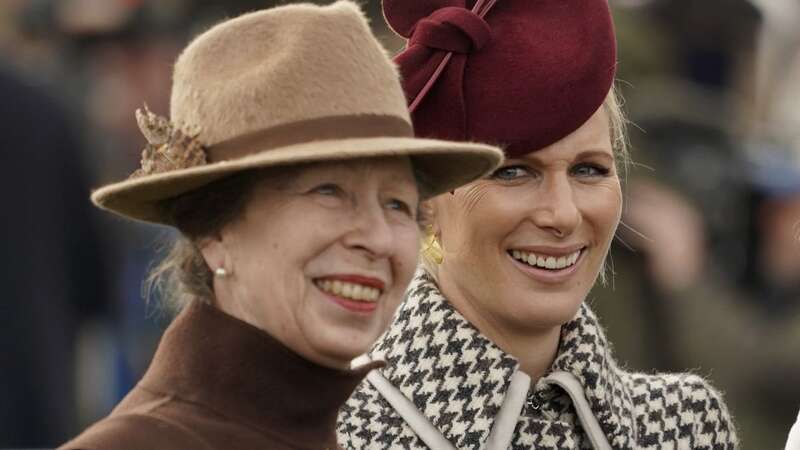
point(354, 126)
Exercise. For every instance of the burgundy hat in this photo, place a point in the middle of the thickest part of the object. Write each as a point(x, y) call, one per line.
point(519, 73)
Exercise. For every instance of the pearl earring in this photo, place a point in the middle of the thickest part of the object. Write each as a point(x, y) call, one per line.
point(221, 272)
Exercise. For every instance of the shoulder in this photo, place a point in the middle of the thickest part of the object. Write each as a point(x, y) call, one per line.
point(136, 432)
point(684, 406)
point(359, 414)
point(367, 420)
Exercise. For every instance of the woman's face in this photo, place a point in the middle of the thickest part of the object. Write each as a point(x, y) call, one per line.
point(523, 247)
point(320, 259)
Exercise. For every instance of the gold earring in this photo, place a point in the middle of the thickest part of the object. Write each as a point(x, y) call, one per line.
point(432, 249)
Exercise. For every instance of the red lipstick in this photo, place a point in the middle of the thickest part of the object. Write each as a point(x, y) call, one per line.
point(357, 306)
point(358, 279)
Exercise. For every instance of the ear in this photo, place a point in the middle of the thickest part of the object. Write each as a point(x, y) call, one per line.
point(214, 252)
point(427, 211)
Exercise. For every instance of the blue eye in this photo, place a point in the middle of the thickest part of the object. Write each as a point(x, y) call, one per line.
point(327, 189)
point(590, 170)
point(510, 172)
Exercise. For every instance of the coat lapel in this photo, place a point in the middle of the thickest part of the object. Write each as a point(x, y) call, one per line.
point(454, 375)
point(585, 352)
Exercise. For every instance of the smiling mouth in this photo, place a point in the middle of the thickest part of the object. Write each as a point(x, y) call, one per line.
point(546, 262)
point(349, 290)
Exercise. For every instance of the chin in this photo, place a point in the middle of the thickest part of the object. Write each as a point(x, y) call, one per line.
point(549, 310)
point(336, 346)
point(338, 358)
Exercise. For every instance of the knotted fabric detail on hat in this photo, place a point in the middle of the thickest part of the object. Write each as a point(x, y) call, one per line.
point(443, 38)
point(452, 29)
point(542, 68)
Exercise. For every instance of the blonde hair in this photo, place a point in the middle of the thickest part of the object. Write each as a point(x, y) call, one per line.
point(617, 123)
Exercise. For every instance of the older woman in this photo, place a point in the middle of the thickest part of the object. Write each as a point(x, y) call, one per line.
point(495, 347)
point(291, 172)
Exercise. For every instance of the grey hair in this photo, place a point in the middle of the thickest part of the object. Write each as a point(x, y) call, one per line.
point(182, 274)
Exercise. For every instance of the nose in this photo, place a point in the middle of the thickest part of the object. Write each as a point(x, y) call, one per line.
point(555, 209)
point(370, 232)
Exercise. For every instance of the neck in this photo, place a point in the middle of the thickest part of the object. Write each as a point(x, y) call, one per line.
point(534, 351)
point(534, 348)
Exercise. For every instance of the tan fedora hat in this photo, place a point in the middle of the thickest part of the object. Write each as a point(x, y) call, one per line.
point(294, 84)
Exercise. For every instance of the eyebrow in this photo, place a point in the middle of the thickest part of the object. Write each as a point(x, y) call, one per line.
point(590, 153)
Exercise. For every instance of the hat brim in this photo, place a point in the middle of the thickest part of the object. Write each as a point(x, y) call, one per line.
point(443, 166)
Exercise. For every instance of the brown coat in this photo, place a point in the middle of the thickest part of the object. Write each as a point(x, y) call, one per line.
point(218, 383)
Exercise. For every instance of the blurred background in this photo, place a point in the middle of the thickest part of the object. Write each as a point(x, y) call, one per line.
point(706, 267)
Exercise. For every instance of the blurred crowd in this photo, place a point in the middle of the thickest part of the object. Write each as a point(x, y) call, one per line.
point(704, 274)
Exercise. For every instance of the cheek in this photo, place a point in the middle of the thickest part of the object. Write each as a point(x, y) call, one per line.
point(406, 254)
point(475, 224)
point(309, 235)
point(276, 255)
point(603, 210)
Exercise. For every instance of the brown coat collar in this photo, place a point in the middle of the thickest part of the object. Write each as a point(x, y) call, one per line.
point(242, 373)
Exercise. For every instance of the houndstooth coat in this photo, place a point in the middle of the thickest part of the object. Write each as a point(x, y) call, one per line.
point(459, 380)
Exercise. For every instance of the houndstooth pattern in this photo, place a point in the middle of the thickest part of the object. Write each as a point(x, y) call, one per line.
point(458, 379)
